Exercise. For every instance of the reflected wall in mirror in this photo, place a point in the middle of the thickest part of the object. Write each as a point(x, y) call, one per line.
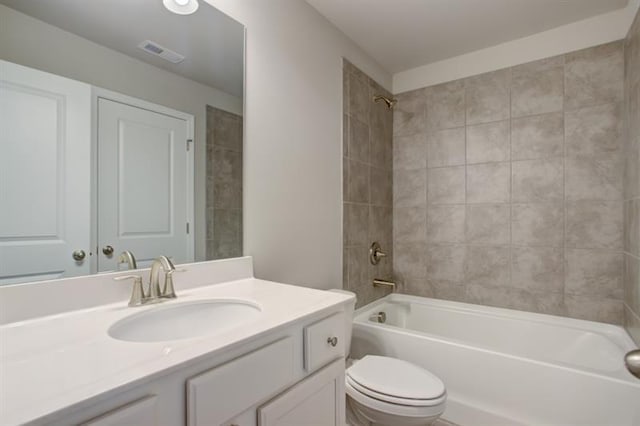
point(121, 130)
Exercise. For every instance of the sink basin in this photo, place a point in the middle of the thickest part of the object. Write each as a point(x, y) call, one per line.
point(177, 321)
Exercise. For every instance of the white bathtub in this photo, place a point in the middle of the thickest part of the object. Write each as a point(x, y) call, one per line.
point(504, 367)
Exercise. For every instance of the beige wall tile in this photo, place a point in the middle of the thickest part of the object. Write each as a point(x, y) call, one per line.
point(448, 291)
point(381, 225)
point(409, 188)
point(446, 223)
point(538, 87)
point(594, 76)
point(536, 181)
point(537, 224)
point(358, 184)
point(409, 114)
point(595, 178)
point(594, 130)
point(445, 262)
point(489, 183)
point(513, 298)
point(356, 223)
point(594, 224)
point(632, 324)
point(489, 142)
point(381, 186)
point(359, 101)
point(410, 152)
point(446, 105)
point(417, 287)
point(487, 265)
point(358, 141)
point(409, 224)
point(539, 136)
point(488, 224)
point(446, 147)
point(410, 260)
point(537, 269)
point(357, 262)
point(632, 226)
point(594, 308)
point(488, 97)
point(446, 185)
point(594, 273)
point(632, 282)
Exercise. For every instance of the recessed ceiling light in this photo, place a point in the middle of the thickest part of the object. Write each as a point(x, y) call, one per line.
point(181, 7)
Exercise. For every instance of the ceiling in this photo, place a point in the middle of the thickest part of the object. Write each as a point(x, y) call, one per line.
point(212, 42)
point(404, 34)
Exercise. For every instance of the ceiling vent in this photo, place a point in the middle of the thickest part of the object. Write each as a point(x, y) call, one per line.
point(157, 50)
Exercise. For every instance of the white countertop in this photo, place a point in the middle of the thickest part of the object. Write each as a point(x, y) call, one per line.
point(51, 363)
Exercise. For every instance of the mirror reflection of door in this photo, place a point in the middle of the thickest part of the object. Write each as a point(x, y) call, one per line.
point(44, 175)
point(145, 184)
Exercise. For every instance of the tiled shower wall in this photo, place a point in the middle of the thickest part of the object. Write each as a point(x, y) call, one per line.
point(367, 177)
point(224, 184)
point(632, 182)
point(508, 187)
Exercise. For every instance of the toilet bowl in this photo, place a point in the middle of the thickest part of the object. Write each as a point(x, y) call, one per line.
point(385, 391)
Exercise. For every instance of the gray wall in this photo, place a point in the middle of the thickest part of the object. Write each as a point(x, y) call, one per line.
point(508, 187)
point(367, 198)
point(632, 182)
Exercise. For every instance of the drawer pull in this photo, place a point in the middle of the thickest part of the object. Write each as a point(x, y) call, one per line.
point(333, 341)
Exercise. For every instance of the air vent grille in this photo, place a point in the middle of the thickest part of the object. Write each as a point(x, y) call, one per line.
point(157, 50)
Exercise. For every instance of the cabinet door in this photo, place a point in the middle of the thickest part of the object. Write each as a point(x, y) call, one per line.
point(316, 401)
point(141, 412)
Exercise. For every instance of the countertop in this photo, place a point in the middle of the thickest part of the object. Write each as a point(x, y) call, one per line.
point(51, 363)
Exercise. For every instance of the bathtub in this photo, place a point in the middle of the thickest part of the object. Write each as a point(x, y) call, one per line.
point(504, 367)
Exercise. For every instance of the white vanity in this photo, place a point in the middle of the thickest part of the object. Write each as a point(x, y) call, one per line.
point(281, 365)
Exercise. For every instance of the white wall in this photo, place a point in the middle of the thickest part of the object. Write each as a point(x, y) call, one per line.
point(567, 38)
point(33, 43)
point(293, 133)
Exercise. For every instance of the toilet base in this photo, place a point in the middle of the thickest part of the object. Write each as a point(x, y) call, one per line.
point(360, 415)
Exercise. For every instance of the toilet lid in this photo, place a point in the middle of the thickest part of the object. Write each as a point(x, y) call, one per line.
point(395, 378)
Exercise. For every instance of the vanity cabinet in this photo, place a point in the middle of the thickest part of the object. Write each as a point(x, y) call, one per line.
point(317, 400)
point(293, 376)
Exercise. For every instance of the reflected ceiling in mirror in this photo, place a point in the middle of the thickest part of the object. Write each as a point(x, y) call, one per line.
point(168, 83)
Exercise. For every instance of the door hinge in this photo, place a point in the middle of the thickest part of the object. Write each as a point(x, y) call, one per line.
point(187, 227)
point(189, 142)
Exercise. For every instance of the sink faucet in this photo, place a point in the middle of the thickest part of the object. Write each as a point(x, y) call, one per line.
point(153, 295)
point(168, 291)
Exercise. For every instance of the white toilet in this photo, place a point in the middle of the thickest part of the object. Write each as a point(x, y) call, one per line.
point(384, 391)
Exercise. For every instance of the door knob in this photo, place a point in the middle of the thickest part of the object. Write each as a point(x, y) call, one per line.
point(78, 255)
point(107, 250)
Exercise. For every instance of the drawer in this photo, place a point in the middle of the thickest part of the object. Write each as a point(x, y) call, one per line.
point(319, 340)
point(219, 394)
point(140, 412)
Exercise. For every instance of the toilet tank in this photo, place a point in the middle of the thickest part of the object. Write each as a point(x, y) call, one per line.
point(348, 311)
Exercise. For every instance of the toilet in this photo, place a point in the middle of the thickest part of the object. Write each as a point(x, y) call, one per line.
point(385, 391)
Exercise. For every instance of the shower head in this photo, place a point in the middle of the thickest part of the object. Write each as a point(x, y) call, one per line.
point(389, 102)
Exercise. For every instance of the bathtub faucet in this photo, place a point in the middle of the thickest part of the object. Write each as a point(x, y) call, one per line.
point(384, 283)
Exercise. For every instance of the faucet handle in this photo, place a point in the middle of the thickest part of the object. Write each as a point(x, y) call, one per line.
point(137, 295)
point(168, 291)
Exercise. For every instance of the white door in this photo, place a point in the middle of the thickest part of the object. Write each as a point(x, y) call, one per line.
point(145, 185)
point(45, 158)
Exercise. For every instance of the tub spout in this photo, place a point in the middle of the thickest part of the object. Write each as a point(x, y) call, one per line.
point(383, 283)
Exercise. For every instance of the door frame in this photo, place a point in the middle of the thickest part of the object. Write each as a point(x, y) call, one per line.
point(98, 93)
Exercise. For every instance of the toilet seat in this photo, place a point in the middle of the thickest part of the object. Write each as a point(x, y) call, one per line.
point(395, 387)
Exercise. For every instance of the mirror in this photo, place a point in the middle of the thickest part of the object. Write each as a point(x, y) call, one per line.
point(121, 130)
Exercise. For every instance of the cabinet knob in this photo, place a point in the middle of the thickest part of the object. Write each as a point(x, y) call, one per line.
point(107, 250)
point(78, 255)
point(333, 341)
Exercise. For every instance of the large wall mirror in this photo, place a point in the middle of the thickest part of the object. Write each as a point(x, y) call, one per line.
point(121, 131)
